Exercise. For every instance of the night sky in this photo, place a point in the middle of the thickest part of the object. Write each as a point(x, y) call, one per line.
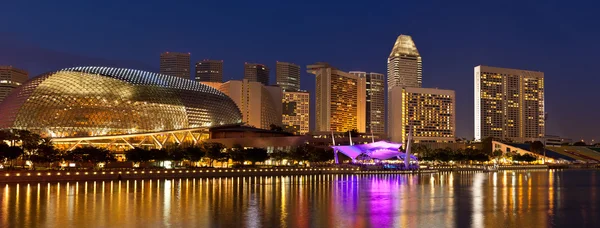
point(559, 38)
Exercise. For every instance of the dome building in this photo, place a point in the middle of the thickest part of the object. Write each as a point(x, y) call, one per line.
point(116, 108)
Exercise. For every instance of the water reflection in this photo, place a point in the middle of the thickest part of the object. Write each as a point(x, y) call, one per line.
point(471, 199)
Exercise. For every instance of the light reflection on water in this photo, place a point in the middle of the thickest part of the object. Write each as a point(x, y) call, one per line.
point(503, 199)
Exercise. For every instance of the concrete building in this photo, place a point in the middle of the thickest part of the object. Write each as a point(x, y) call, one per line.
point(288, 76)
point(431, 113)
point(260, 105)
point(11, 78)
point(209, 71)
point(340, 99)
point(296, 112)
point(175, 64)
point(405, 69)
point(509, 104)
point(375, 103)
point(254, 72)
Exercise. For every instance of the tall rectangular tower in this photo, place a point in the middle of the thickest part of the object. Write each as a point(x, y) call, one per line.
point(260, 105)
point(405, 70)
point(288, 76)
point(175, 64)
point(11, 78)
point(209, 71)
point(431, 113)
point(254, 72)
point(340, 99)
point(509, 104)
point(296, 112)
point(375, 101)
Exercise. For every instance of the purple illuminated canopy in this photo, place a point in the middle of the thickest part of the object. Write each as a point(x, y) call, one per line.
point(381, 150)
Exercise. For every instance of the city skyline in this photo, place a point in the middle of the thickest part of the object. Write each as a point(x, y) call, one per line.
point(449, 47)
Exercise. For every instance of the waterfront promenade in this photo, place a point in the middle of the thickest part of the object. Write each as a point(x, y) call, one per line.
point(133, 174)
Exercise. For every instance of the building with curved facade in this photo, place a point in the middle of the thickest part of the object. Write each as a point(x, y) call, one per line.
point(116, 107)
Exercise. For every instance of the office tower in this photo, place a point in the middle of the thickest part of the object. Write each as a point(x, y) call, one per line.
point(375, 106)
point(405, 69)
point(296, 112)
point(209, 71)
point(288, 76)
point(11, 78)
point(260, 105)
point(340, 99)
point(431, 113)
point(509, 104)
point(175, 64)
point(256, 73)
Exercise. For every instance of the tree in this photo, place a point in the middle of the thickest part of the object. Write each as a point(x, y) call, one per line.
point(176, 153)
point(320, 155)
point(159, 154)
point(300, 153)
point(256, 155)
point(194, 153)
point(92, 154)
point(422, 150)
point(213, 151)
point(237, 154)
point(45, 154)
point(580, 143)
point(497, 153)
point(12, 153)
point(137, 155)
point(279, 155)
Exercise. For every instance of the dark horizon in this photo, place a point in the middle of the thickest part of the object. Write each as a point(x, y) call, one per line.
point(452, 38)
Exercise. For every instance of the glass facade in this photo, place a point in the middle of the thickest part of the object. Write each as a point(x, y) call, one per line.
point(102, 101)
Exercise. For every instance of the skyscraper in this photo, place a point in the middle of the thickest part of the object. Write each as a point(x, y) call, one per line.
point(175, 64)
point(509, 104)
point(340, 99)
point(260, 105)
point(256, 73)
point(209, 71)
point(375, 102)
point(11, 78)
point(431, 113)
point(405, 70)
point(288, 76)
point(405, 67)
point(296, 112)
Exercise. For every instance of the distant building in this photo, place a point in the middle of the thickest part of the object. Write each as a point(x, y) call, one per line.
point(175, 64)
point(260, 105)
point(556, 140)
point(11, 78)
point(340, 99)
point(254, 72)
point(375, 103)
point(509, 104)
point(431, 113)
point(288, 76)
point(209, 71)
point(296, 112)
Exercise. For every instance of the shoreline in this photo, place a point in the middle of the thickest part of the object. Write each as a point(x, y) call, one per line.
point(102, 175)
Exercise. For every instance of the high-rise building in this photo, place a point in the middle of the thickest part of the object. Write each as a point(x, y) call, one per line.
point(296, 112)
point(509, 104)
point(375, 103)
point(11, 78)
point(175, 64)
point(430, 112)
point(260, 105)
point(209, 71)
point(288, 76)
point(405, 69)
point(254, 72)
point(340, 99)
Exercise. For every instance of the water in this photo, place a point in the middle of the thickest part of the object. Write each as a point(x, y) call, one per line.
point(503, 199)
